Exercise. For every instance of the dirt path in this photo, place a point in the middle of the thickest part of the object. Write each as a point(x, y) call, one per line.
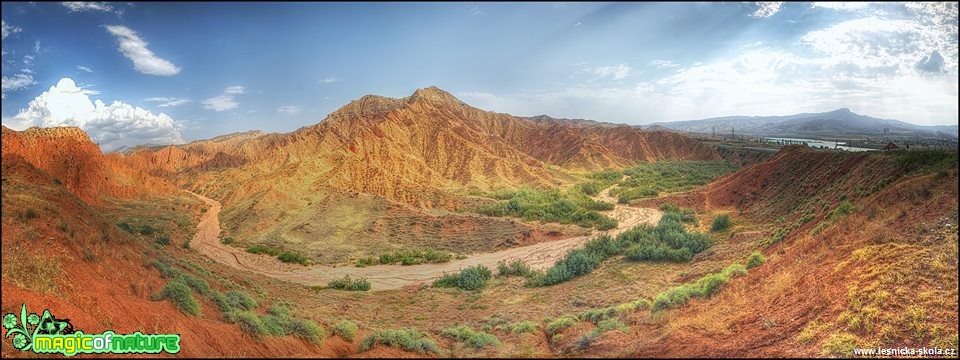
point(538, 256)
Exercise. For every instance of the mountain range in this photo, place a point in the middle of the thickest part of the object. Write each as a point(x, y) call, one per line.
point(838, 123)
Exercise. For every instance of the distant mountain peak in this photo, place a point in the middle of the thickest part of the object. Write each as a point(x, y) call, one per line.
point(434, 94)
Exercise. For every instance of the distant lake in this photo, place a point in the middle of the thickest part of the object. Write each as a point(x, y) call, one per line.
point(816, 144)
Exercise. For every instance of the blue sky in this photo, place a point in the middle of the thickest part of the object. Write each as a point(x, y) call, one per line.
point(133, 73)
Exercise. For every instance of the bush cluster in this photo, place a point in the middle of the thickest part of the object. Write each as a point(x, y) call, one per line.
point(350, 284)
point(471, 278)
point(477, 339)
point(408, 339)
point(573, 207)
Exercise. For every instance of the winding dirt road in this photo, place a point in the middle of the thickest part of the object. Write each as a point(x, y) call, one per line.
point(381, 277)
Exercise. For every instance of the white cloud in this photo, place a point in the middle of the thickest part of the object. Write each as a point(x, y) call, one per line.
point(220, 103)
point(225, 101)
point(327, 80)
point(7, 30)
point(290, 109)
point(235, 90)
point(577, 24)
point(767, 8)
point(16, 82)
point(876, 42)
point(616, 72)
point(662, 63)
point(112, 126)
point(84, 68)
point(169, 101)
point(840, 5)
point(135, 48)
point(81, 6)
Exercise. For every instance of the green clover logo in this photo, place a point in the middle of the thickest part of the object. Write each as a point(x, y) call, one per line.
point(28, 326)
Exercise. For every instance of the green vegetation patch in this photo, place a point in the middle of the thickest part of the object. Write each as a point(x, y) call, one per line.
point(651, 179)
point(345, 329)
point(571, 207)
point(471, 278)
point(668, 241)
point(477, 339)
point(702, 288)
point(350, 284)
point(409, 339)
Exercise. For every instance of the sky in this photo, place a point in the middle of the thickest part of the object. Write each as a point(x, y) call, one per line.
point(162, 73)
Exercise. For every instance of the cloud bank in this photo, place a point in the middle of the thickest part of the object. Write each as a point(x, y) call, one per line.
point(112, 126)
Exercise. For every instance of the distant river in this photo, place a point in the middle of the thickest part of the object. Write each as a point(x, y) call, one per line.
point(816, 143)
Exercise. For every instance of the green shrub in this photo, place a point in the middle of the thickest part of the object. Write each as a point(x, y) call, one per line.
point(611, 324)
point(185, 244)
point(573, 207)
point(221, 301)
point(477, 339)
point(263, 249)
point(471, 278)
point(649, 179)
point(632, 306)
point(346, 283)
point(755, 259)
point(415, 257)
point(125, 226)
point(147, 230)
point(249, 322)
point(721, 223)
point(364, 262)
point(668, 241)
point(515, 267)
point(556, 325)
point(702, 288)
point(522, 327)
point(274, 325)
point(166, 271)
point(596, 315)
point(181, 297)
point(306, 329)
point(197, 284)
point(407, 339)
point(293, 258)
point(845, 208)
point(345, 329)
point(240, 300)
point(163, 240)
point(227, 240)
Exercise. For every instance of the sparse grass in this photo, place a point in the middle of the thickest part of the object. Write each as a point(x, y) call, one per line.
point(409, 339)
point(573, 207)
point(477, 339)
point(840, 344)
point(721, 223)
point(471, 278)
point(350, 284)
point(31, 269)
point(345, 329)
